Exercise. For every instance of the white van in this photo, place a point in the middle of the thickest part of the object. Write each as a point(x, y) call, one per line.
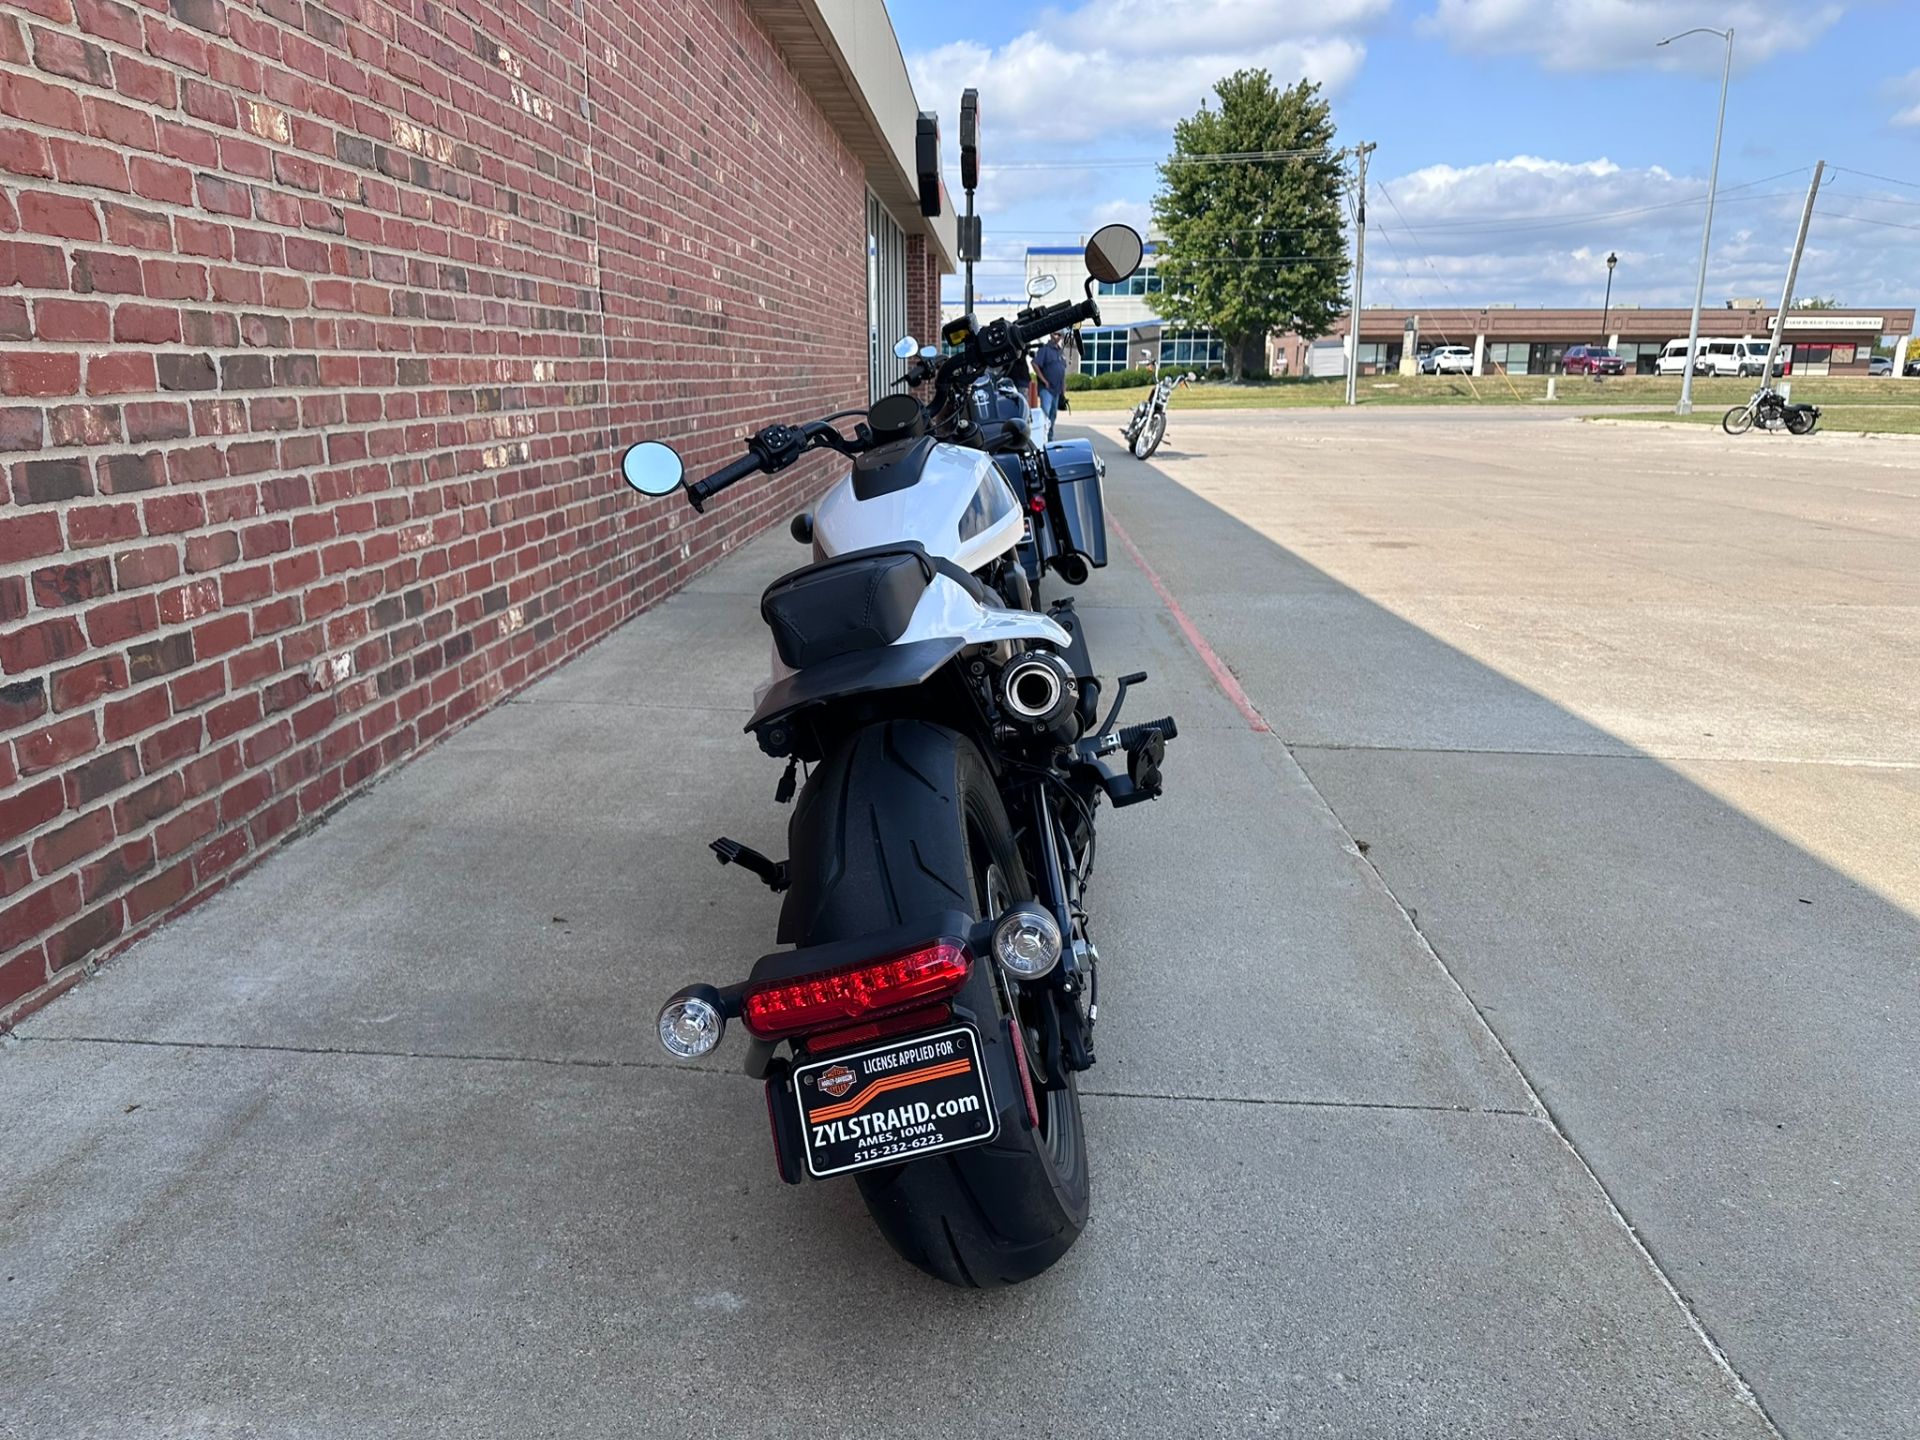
point(1719, 357)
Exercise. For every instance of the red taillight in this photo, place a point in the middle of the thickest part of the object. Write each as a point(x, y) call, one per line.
point(924, 1017)
point(858, 992)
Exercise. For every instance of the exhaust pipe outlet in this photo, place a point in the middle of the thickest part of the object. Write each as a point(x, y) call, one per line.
point(1071, 568)
point(1038, 689)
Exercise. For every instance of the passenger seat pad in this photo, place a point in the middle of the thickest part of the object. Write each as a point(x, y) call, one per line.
point(852, 602)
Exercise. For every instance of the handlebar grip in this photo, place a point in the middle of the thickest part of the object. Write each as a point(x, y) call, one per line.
point(1057, 317)
point(704, 490)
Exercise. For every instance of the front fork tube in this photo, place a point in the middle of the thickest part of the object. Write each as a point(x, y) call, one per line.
point(1067, 1035)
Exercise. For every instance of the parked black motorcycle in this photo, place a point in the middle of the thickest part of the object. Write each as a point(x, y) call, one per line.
point(1770, 410)
point(925, 1031)
point(1147, 426)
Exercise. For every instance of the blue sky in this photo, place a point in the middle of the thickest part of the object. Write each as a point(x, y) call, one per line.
point(1519, 140)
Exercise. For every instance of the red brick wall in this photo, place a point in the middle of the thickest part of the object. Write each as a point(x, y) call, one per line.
point(923, 291)
point(320, 324)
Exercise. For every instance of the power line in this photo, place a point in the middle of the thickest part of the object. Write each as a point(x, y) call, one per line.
point(1244, 157)
point(1884, 179)
point(1864, 220)
point(1507, 221)
point(1871, 199)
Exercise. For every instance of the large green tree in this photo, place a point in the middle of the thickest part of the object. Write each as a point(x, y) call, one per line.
point(1252, 245)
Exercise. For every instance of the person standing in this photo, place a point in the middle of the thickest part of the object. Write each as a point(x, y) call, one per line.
point(1051, 362)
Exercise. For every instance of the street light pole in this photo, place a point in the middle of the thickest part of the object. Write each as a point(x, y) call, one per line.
point(1685, 407)
point(1607, 304)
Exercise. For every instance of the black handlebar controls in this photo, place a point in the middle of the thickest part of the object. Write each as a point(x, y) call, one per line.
point(1043, 323)
point(775, 447)
point(704, 490)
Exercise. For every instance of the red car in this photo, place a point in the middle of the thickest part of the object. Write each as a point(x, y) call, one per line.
point(1593, 360)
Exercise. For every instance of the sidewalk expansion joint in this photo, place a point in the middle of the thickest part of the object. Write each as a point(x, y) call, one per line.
point(266, 1047)
point(1657, 757)
point(1295, 1103)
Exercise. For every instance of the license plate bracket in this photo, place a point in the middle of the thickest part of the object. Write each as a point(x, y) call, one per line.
point(915, 1096)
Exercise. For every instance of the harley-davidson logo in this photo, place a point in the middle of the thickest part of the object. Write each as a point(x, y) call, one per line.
point(837, 1081)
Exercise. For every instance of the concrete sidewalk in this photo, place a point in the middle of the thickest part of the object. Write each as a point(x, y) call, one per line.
point(380, 1141)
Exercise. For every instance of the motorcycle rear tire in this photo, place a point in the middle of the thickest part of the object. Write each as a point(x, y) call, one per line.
point(1150, 439)
point(1801, 422)
point(1738, 420)
point(901, 820)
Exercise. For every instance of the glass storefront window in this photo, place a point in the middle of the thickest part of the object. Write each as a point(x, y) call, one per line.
point(1142, 282)
point(1511, 357)
point(1103, 351)
point(1193, 350)
point(1812, 359)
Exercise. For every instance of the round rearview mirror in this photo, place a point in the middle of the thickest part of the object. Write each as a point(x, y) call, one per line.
point(1041, 285)
point(1114, 253)
point(652, 468)
point(906, 347)
point(929, 352)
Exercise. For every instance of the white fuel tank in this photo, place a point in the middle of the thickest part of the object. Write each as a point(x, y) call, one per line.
point(951, 499)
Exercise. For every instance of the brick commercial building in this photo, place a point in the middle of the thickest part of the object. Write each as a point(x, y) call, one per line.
point(321, 325)
point(1505, 338)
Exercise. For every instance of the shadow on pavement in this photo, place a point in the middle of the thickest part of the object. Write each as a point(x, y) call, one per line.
point(1722, 1023)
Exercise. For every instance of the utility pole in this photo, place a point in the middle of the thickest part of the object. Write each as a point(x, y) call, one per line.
point(1685, 407)
point(1793, 274)
point(1359, 273)
point(969, 178)
point(1606, 305)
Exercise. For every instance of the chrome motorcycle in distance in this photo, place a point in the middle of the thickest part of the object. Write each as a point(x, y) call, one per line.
point(1768, 409)
point(1147, 426)
point(924, 1027)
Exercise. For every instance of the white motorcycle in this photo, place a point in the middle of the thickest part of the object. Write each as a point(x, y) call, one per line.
point(925, 1031)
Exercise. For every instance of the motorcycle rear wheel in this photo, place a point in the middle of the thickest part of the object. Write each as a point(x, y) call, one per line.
point(902, 820)
point(1738, 420)
point(1156, 431)
point(1801, 422)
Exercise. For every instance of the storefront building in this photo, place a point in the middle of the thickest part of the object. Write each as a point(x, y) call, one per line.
point(1509, 340)
point(1130, 334)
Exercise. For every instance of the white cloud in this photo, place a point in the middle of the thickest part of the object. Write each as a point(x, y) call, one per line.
point(1610, 34)
point(1532, 231)
point(1037, 91)
point(1906, 89)
point(1218, 27)
point(1136, 213)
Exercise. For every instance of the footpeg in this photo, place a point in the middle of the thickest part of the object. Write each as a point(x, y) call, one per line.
point(1146, 747)
point(773, 874)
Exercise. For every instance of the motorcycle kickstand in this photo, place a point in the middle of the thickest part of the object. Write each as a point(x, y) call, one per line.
point(773, 874)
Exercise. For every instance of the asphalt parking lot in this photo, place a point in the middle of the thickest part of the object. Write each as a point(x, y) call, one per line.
point(1507, 1029)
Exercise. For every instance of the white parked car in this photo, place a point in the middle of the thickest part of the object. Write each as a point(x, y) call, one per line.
point(1720, 357)
point(1452, 360)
